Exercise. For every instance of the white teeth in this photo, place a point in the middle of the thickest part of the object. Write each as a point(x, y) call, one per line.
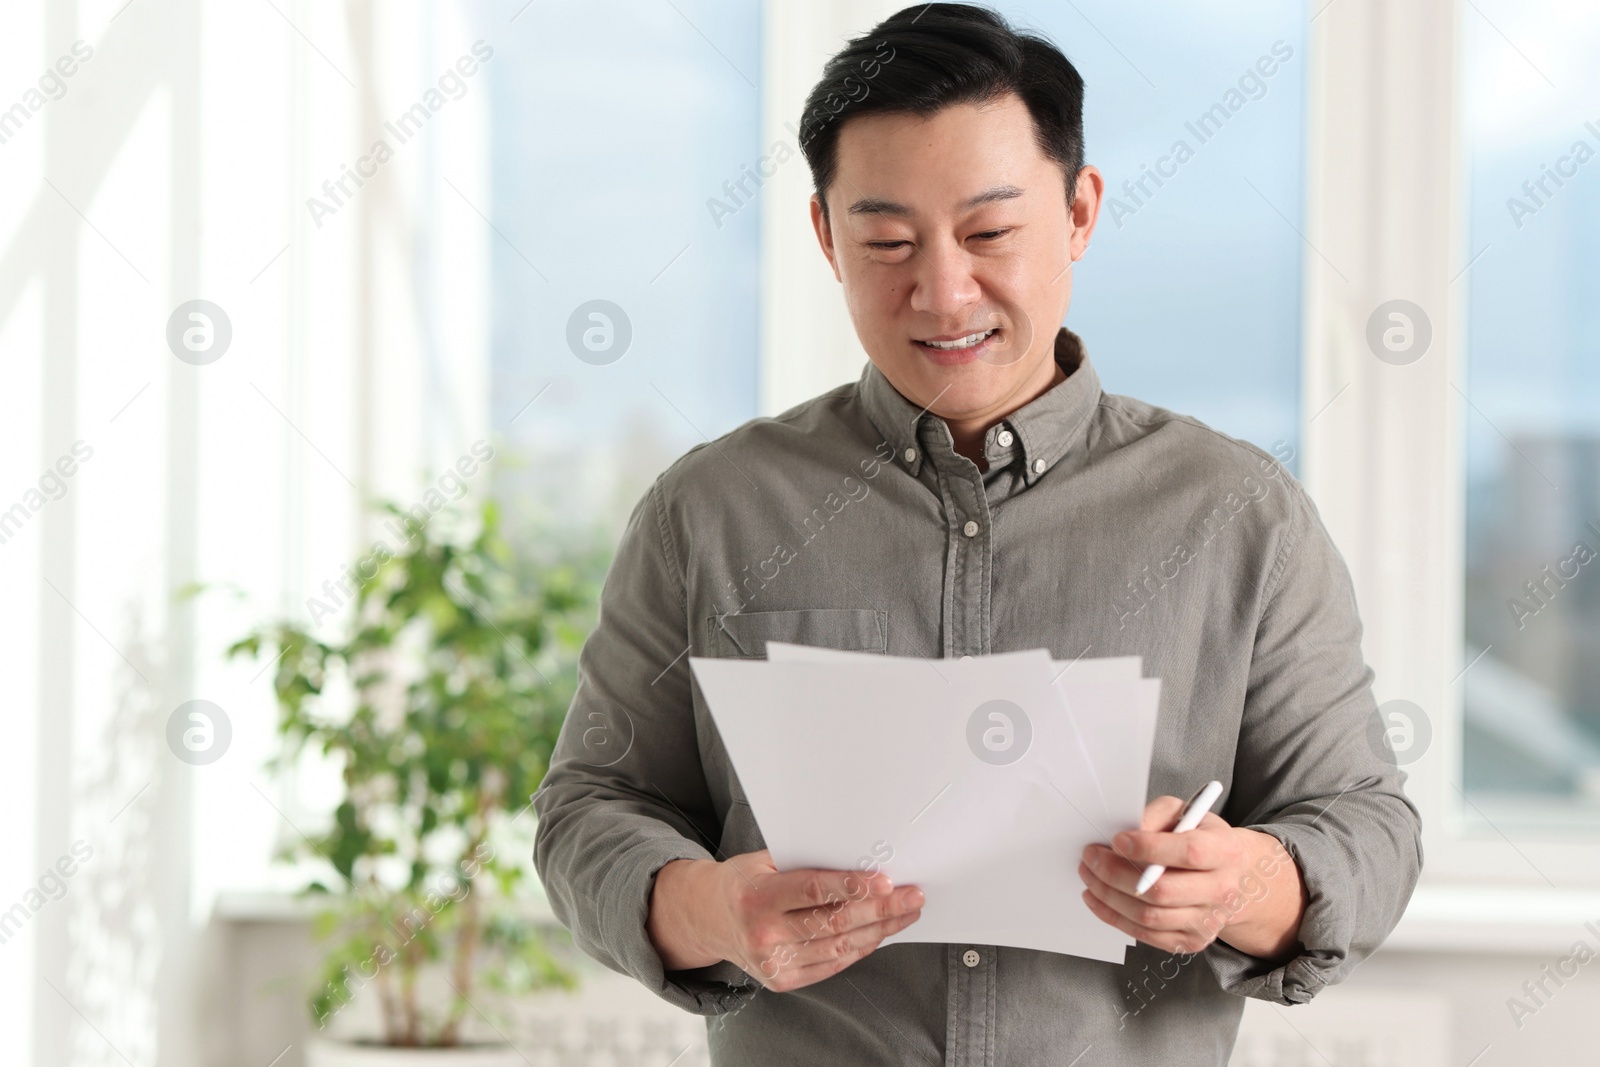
point(963, 342)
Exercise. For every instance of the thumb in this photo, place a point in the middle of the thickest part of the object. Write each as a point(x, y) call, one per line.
point(1161, 814)
point(756, 862)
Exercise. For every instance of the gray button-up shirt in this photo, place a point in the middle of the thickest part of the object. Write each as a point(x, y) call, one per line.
point(1103, 526)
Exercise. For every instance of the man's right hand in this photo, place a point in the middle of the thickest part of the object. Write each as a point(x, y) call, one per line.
point(786, 930)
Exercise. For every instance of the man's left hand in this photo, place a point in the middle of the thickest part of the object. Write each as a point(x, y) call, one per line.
point(1222, 881)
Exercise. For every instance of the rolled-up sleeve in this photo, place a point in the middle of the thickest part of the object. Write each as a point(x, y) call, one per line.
point(1308, 773)
point(625, 793)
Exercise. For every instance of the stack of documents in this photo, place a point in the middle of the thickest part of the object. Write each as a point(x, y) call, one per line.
point(980, 780)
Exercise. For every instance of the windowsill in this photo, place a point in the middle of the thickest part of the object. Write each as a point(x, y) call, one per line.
point(269, 906)
point(1490, 918)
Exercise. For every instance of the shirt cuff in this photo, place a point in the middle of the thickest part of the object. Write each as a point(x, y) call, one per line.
point(622, 929)
point(1327, 928)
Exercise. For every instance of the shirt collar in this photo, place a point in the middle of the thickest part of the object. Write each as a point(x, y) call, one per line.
point(1041, 431)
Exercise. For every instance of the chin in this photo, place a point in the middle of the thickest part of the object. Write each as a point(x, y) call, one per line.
point(952, 390)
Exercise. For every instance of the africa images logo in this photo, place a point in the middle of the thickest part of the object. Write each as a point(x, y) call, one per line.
point(999, 732)
point(198, 732)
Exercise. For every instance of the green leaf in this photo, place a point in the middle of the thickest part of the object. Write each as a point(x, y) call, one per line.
point(460, 660)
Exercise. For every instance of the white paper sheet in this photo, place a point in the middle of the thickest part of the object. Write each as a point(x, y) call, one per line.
point(850, 761)
point(1117, 717)
point(1113, 707)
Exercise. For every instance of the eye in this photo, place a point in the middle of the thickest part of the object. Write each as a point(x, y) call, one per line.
point(989, 235)
point(888, 246)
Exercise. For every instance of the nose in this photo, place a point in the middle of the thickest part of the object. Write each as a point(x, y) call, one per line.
point(944, 284)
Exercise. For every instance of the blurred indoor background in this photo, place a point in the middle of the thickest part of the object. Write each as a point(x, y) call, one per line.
point(1380, 260)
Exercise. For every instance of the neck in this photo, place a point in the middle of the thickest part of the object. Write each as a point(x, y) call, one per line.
point(969, 433)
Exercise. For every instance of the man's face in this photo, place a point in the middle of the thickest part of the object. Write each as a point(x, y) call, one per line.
point(953, 240)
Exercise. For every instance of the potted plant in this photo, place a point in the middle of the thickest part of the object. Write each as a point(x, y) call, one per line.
point(453, 675)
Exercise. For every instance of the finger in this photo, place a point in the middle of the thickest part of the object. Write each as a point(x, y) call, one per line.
point(824, 959)
point(809, 924)
point(1206, 847)
point(835, 946)
point(1161, 813)
point(1109, 864)
point(1138, 910)
point(1175, 889)
point(1168, 941)
point(811, 888)
point(840, 916)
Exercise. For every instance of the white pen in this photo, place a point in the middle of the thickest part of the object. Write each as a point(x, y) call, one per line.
point(1188, 819)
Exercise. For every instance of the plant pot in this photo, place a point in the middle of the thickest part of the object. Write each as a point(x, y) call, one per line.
point(324, 1053)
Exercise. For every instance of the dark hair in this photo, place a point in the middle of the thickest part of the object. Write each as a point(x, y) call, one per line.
point(932, 56)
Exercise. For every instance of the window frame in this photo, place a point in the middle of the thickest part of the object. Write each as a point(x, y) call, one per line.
point(1386, 459)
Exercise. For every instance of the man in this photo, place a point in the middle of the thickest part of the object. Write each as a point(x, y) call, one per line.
point(976, 492)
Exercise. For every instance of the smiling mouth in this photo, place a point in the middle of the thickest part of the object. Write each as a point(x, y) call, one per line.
point(971, 340)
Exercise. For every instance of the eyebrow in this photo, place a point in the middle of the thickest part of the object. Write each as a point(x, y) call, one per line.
point(872, 205)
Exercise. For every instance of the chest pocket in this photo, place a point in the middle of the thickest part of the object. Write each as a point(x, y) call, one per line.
point(745, 635)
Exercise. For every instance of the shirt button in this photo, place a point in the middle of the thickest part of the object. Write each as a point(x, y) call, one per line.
point(970, 958)
point(1004, 438)
point(911, 455)
point(970, 529)
point(1038, 466)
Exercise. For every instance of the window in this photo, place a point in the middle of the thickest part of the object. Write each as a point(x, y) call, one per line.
point(1190, 294)
point(625, 277)
point(1531, 743)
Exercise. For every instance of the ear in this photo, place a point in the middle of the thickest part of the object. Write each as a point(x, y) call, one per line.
point(819, 223)
point(1085, 209)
